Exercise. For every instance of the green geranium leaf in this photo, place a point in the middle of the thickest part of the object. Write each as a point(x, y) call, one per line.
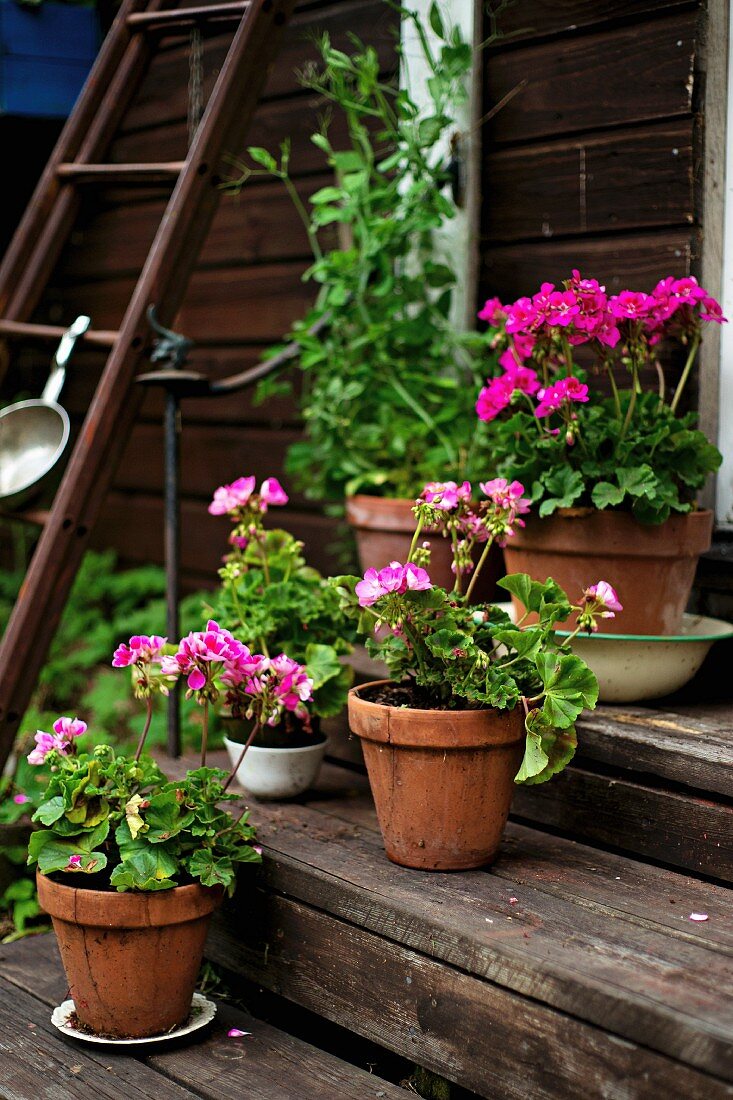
point(49, 812)
point(570, 687)
point(450, 644)
point(547, 752)
point(51, 850)
point(146, 869)
point(606, 495)
point(210, 870)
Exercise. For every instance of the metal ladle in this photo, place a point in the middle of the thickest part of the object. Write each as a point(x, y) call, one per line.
point(34, 433)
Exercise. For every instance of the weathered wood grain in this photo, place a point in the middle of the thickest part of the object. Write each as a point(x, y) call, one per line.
point(694, 750)
point(628, 179)
point(565, 941)
point(133, 525)
point(542, 18)
point(259, 225)
point(637, 260)
point(37, 1064)
point(255, 304)
point(679, 829)
point(163, 96)
point(613, 78)
point(266, 1064)
point(446, 1020)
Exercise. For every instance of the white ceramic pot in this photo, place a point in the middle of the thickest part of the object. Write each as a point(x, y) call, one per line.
point(277, 773)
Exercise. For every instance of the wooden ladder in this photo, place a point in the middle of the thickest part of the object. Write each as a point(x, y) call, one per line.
point(35, 249)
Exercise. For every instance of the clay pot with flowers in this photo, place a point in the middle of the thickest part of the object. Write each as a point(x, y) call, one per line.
point(270, 599)
point(615, 476)
point(131, 866)
point(475, 703)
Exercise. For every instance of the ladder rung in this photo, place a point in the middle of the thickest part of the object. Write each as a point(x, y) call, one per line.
point(55, 332)
point(115, 173)
point(175, 17)
point(34, 517)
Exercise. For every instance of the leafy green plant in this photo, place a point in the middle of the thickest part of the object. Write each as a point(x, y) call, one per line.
point(388, 380)
point(632, 450)
point(270, 599)
point(108, 815)
point(443, 652)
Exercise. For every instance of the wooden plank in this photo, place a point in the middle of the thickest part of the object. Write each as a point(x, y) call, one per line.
point(133, 525)
point(267, 1064)
point(414, 1003)
point(295, 117)
point(210, 456)
point(693, 750)
point(627, 260)
point(163, 96)
point(256, 304)
point(681, 830)
point(543, 18)
point(36, 1063)
point(260, 225)
point(595, 81)
point(628, 179)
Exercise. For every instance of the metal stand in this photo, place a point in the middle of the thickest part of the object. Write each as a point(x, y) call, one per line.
point(172, 348)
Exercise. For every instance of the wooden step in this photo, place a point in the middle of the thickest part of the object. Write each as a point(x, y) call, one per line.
point(185, 17)
point(264, 1064)
point(579, 964)
point(28, 330)
point(121, 173)
point(654, 783)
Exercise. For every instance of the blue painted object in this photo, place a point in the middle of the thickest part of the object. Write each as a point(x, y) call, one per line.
point(46, 53)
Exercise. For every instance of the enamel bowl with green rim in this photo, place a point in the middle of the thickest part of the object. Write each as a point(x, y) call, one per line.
point(634, 667)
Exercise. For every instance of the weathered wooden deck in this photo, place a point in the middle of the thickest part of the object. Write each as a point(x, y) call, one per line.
point(571, 969)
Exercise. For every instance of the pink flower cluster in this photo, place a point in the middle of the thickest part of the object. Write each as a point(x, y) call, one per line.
point(582, 313)
point(65, 730)
point(393, 579)
point(266, 687)
point(204, 653)
point(445, 495)
point(259, 685)
point(240, 495)
point(142, 649)
point(508, 503)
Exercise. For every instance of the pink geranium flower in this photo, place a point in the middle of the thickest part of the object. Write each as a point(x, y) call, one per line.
point(272, 493)
point(492, 312)
point(562, 308)
point(74, 863)
point(228, 498)
point(202, 654)
point(631, 305)
point(604, 596)
point(20, 799)
point(565, 389)
point(521, 315)
point(445, 495)
point(65, 730)
point(142, 649)
point(495, 397)
point(395, 578)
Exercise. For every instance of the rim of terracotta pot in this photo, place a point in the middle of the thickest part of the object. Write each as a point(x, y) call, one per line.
point(280, 749)
point(639, 539)
point(127, 909)
point(381, 513)
point(407, 726)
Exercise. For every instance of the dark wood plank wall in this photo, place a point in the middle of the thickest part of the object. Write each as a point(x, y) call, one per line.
point(593, 162)
point(244, 295)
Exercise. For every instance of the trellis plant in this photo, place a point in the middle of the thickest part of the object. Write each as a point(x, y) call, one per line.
point(631, 449)
point(388, 379)
point(116, 817)
point(445, 653)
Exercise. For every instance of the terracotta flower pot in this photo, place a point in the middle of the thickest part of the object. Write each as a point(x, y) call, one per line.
point(442, 780)
point(384, 527)
point(651, 568)
point(131, 959)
